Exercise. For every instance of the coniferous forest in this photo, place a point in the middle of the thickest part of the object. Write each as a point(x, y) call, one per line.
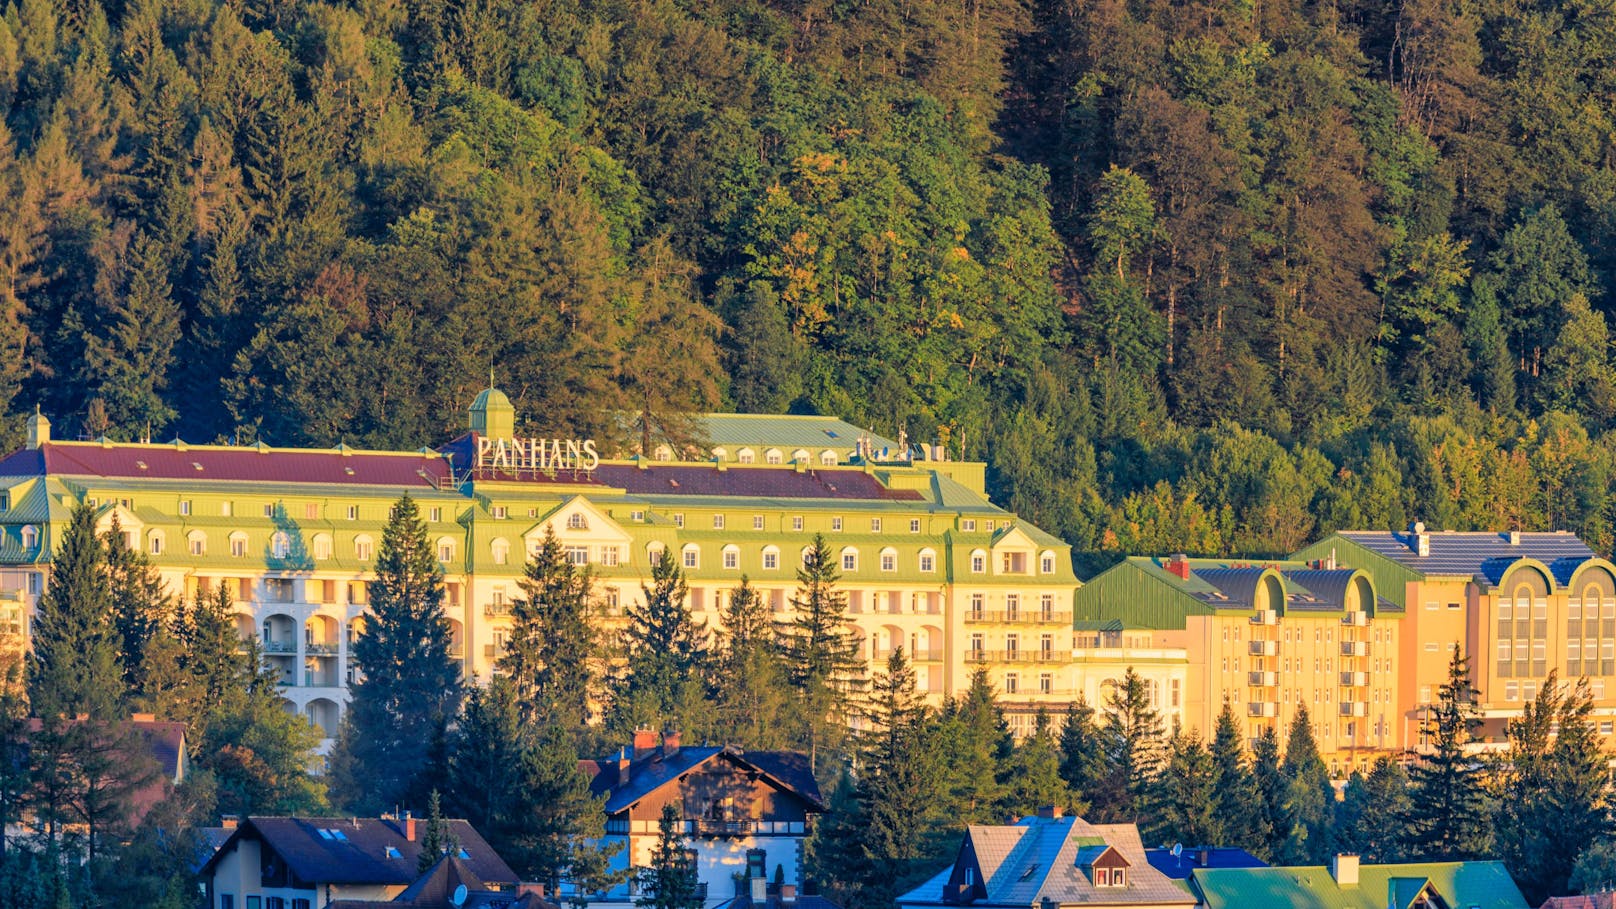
point(1200, 276)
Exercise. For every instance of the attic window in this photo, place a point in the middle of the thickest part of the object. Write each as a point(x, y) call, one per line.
point(391, 853)
point(1031, 870)
point(197, 464)
point(141, 464)
point(464, 855)
point(348, 471)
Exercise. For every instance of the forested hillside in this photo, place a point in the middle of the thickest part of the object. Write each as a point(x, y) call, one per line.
point(1213, 277)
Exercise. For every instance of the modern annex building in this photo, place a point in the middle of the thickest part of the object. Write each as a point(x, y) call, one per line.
point(927, 561)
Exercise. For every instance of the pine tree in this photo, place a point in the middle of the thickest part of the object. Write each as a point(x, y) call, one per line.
point(1189, 794)
point(141, 607)
point(669, 882)
point(409, 684)
point(436, 840)
point(820, 650)
point(1272, 791)
point(550, 656)
point(1032, 776)
point(73, 667)
point(1310, 798)
point(752, 703)
point(1447, 819)
point(1370, 810)
point(667, 655)
point(1135, 746)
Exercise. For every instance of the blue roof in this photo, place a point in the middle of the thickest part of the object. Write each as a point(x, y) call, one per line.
point(1468, 554)
point(1178, 867)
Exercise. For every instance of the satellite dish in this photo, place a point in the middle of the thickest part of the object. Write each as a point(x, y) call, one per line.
point(459, 898)
point(1178, 850)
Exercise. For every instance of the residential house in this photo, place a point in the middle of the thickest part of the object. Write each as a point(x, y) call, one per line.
point(743, 815)
point(450, 883)
point(307, 863)
point(1347, 884)
point(1178, 861)
point(1049, 861)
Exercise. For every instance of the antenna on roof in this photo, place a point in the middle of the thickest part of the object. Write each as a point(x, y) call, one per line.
point(459, 897)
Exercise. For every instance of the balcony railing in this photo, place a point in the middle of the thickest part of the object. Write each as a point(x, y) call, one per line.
point(1354, 648)
point(496, 609)
point(1262, 679)
point(1354, 679)
point(1017, 656)
point(320, 649)
point(1264, 648)
point(1019, 617)
point(280, 647)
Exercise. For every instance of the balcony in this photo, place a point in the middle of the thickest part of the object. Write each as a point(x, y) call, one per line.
point(1264, 648)
point(280, 647)
point(1354, 708)
point(1356, 619)
point(1354, 648)
point(1018, 617)
point(1262, 679)
point(1265, 617)
point(320, 649)
point(1262, 709)
point(1354, 679)
point(1017, 656)
point(928, 656)
point(492, 609)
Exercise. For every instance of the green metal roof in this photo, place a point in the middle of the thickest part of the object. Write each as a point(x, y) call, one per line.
point(1484, 885)
point(787, 432)
point(1391, 578)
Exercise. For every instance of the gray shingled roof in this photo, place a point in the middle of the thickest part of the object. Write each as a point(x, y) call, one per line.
point(1025, 863)
point(1464, 554)
point(361, 850)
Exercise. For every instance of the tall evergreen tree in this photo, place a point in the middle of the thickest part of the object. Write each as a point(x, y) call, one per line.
point(1189, 794)
point(667, 656)
point(1135, 753)
point(436, 840)
point(1310, 800)
point(409, 685)
point(820, 650)
point(975, 745)
point(551, 654)
point(1448, 805)
point(1370, 811)
point(141, 607)
point(1032, 776)
point(752, 702)
point(1272, 791)
point(1238, 805)
point(73, 667)
point(1082, 751)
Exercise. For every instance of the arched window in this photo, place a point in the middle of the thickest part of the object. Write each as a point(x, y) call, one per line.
point(850, 559)
point(800, 456)
point(771, 558)
point(446, 550)
point(364, 548)
point(928, 560)
point(1046, 562)
point(721, 453)
point(979, 561)
point(577, 521)
point(807, 554)
point(732, 557)
point(653, 552)
point(280, 545)
point(322, 547)
point(746, 456)
point(30, 537)
point(155, 541)
point(827, 458)
point(773, 456)
point(691, 555)
point(889, 559)
point(238, 545)
point(664, 453)
point(501, 551)
point(197, 542)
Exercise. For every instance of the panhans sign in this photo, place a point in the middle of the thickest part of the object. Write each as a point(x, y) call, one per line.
point(537, 454)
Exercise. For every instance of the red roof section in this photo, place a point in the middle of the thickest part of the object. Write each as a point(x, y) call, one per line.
point(750, 482)
point(168, 462)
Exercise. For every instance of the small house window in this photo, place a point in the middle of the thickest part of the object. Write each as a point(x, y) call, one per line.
point(692, 557)
point(364, 549)
point(914, 525)
point(185, 507)
point(238, 546)
point(576, 521)
point(771, 558)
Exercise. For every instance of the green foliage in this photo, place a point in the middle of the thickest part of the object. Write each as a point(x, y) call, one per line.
point(409, 686)
point(820, 651)
point(669, 882)
point(550, 656)
point(1448, 804)
point(1367, 818)
point(665, 681)
point(74, 666)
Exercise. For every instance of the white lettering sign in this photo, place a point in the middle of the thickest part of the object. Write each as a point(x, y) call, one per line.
point(537, 454)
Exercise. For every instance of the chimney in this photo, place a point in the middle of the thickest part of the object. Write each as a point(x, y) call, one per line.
point(788, 893)
point(143, 718)
point(1179, 564)
point(409, 826)
point(1514, 538)
point(645, 742)
point(1203, 857)
point(1050, 812)
point(670, 744)
point(759, 891)
point(622, 767)
point(229, 821)
point(525, 887)
point(1344, 868)
point(1421, 541)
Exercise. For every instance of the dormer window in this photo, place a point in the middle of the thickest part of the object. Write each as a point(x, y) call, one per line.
point(1104, 865)
point(576, 521)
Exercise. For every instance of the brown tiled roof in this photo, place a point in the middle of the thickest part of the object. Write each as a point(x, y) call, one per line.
point(227, 463)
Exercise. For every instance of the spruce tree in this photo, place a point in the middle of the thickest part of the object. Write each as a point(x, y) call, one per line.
point(550, 656)
point(667, 655)
point(752, 701)
point(1238, 807)
point(1310, 801)
point(976, 744)
point(1032, 776)
point(73, 668)
point(409, 684)
point(1082, 751)
point(1272, 791)
point(1135, 752)
point(436, 841)
point(140, 606)
point(820, 650)
point(669, 882)
point(1189, 794)
point(1370, 811)
point(1448, 805)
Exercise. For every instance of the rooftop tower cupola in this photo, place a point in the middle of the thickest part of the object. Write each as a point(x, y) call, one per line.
point(492, 415)
point(38, 429)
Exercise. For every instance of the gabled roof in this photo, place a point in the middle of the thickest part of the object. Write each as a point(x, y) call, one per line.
point(1484, 885)
point(1178, 867)
point(760, 431)
point(1042, 858)
point(788, 770)
point(360, 850)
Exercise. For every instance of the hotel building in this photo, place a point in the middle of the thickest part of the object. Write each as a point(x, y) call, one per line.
point(1519, 605)
point(926, 560)
point(1267, 639)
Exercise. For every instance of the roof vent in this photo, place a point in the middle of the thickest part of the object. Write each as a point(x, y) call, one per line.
point(1514, 538)
point(197, 464)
